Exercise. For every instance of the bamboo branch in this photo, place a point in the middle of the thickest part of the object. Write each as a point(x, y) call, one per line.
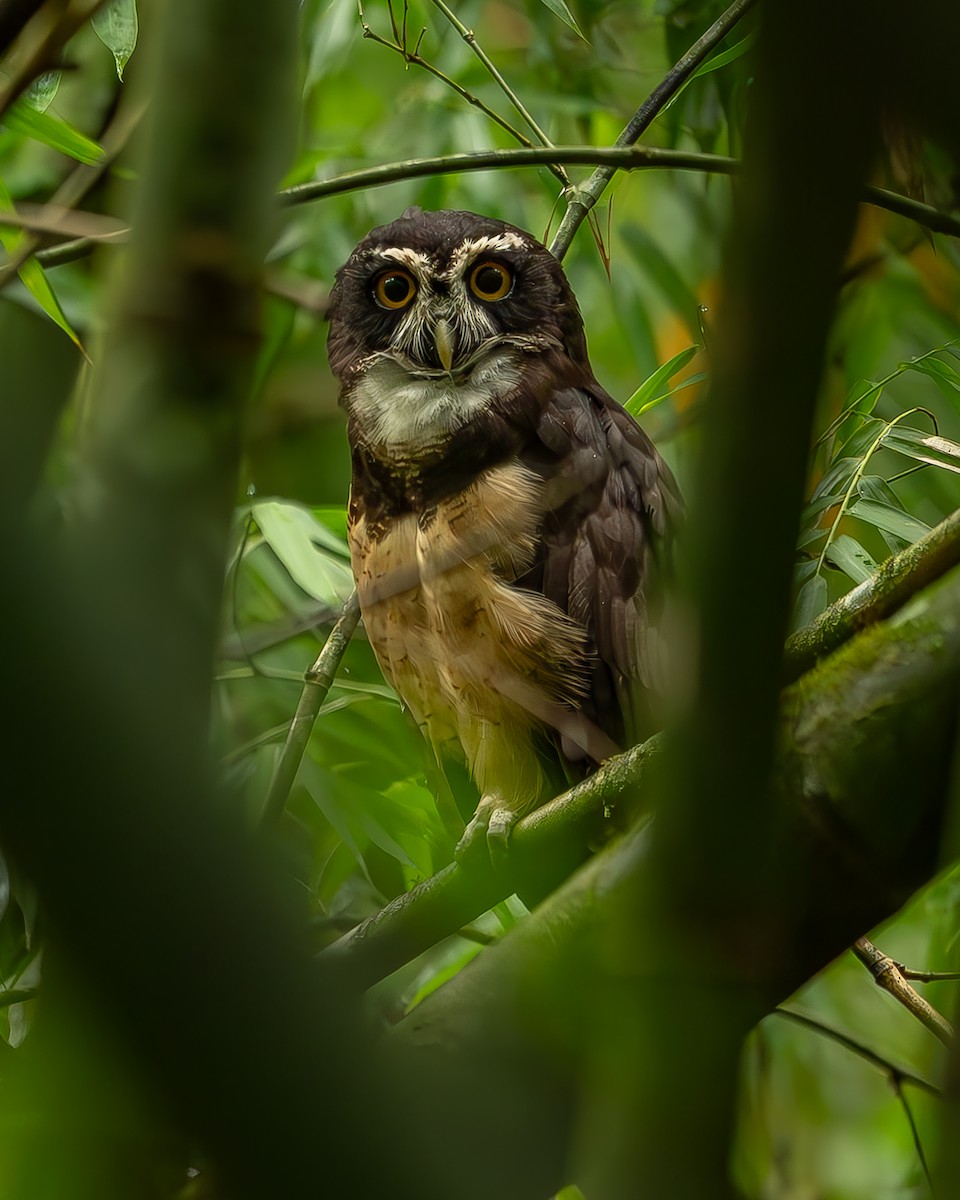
point(440, 905)
point(585, 196)
point(878, 597)
point(316, 683)
point(627, 158)
point(887, 975)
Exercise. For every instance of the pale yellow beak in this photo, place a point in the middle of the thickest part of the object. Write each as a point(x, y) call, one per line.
point(445, 342)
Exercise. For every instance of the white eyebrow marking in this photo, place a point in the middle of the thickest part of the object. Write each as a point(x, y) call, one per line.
point(486, 245)
point(413, 260)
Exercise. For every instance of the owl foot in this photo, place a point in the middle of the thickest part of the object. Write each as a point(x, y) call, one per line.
point(490, 827)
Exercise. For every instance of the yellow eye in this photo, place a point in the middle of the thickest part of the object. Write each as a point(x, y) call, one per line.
point(490, 281)
point(394, 289)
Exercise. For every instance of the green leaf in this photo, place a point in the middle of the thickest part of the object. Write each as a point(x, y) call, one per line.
point(51, 131)
point(943, 375)
point(334, 519)
point(873, 487)
point(887, 517)
point(927, 448)
point(836, 478)
point(115, 24)
point(852, 559)
point(811, 601)
point(859, 439)
point(31, 273)
point(41, 93)
point(724, 57)
point(560, 9)
point(308, 550)
point(653, 389)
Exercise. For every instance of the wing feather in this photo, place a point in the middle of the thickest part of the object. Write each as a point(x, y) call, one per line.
point(612, 508)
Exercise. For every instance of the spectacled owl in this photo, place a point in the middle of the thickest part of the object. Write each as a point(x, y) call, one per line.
point(509, 521)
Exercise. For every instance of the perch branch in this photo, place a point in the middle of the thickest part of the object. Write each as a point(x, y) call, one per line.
point(439, 906)
point(887, 975)
point(585, 196)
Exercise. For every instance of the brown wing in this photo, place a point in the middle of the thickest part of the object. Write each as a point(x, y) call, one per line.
point(612, 507)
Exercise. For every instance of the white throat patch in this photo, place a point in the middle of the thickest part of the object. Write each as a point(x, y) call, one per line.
point(402, 411)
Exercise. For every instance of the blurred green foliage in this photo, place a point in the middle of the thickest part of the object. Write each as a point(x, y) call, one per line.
point(362, 824)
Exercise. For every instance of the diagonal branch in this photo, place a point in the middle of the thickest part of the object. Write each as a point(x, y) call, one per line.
point(316, 684)
point(585, 196)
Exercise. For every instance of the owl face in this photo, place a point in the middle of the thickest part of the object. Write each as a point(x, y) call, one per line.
point(433, 315)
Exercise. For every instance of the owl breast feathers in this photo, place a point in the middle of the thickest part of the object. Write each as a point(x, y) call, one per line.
point(509, 521)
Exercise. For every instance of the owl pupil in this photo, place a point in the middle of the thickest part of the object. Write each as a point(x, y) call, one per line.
point(396, 288)
point(488, 280)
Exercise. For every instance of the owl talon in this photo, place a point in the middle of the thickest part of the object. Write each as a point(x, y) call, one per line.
point(491, 827)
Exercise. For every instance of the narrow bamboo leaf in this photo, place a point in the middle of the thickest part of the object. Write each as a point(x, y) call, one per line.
point(726, 56)
point(853, 560)
point(310, 553)
point(560, 9)
point(51, 131)
point(811, 601)
point(873, 487)
point(893, 520)
point(690, 381)
point(859, 441)
point(654, 387)
point(836, 478)
point(927, 448)
point(31, 273)
point(41, 93)
point(115, 24)
point(942, 374)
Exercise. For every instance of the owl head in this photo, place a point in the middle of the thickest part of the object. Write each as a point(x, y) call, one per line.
point(439, 293)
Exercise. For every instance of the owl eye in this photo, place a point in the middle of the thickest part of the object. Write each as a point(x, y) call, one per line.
point(394, 289)
point(490, 281)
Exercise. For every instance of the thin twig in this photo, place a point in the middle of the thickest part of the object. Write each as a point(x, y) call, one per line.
point(928, 976)
point(887, 975)
point(470, 38)
point(316, 684)
point(416, 59)
point(897, 1075)
point(914, 1132)
point(582, 198)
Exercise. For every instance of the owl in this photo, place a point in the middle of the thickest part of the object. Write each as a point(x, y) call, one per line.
point(509, 522)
